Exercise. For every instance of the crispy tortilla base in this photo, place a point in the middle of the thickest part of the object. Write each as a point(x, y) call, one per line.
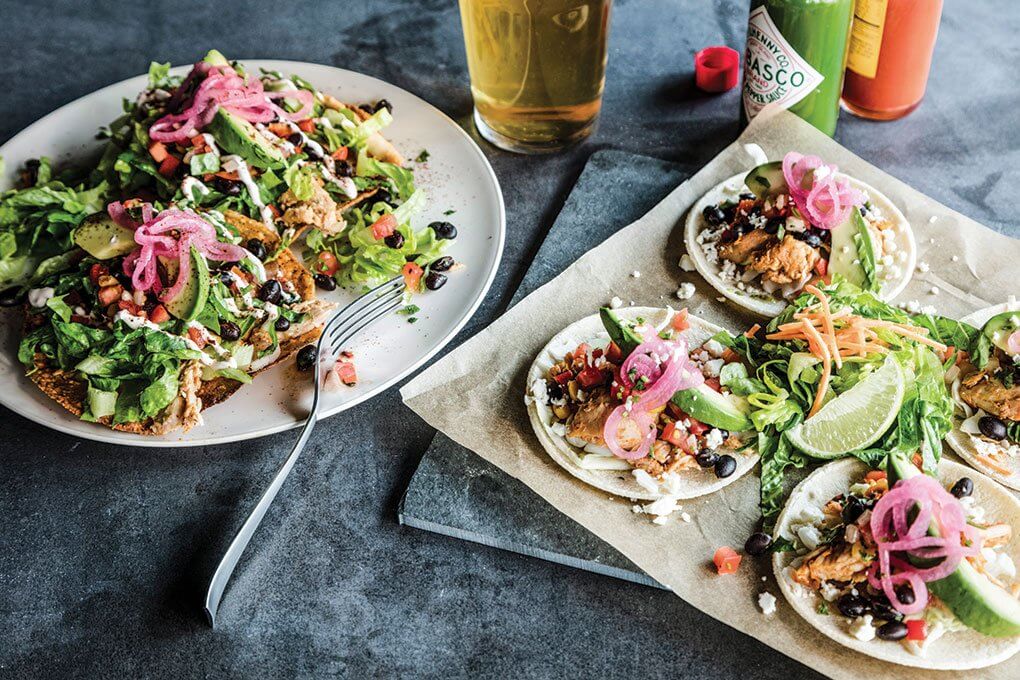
point(69, 390)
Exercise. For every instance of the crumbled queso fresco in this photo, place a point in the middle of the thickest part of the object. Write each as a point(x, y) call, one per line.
point(685, 291)
point(767, 603)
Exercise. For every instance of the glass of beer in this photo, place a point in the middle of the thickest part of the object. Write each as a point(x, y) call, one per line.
point(537, 69)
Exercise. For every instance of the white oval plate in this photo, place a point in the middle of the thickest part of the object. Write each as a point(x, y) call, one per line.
point(456, 177)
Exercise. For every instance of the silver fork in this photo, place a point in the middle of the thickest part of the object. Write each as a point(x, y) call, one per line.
point(338, 331)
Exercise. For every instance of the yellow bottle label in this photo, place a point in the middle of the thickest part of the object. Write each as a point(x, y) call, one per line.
point(866, 37)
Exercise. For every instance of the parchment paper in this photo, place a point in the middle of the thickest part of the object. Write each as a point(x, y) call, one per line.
point(475, 395)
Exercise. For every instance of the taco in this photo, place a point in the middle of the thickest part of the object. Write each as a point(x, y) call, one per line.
point(760, 237)
point(859, 564)
point(985, 384)
point(630, 402)
point(164, 315)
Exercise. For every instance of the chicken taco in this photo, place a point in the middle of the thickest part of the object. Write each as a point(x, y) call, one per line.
point(632, 401)
point(160, 315)
point(985, 384)
point(901, 566)
point(760, 237)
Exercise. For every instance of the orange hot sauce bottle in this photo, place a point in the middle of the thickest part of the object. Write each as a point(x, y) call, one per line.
point(891, 43)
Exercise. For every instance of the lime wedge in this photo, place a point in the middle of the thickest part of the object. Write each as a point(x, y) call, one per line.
point(856, 418)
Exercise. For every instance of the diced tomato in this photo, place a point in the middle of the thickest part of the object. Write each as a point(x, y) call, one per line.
point(581, 352)
point(197, 336)
point(412, 276)
point(917, 629)
point(158, 151)
point(231, 176)
point(680, 322)
point(307, 125)
point(714, 384)
point(614, 353)
point(564, 377)
point(169, 166)
point(340, 154)
point(726, 560)
point(280, 129)
point(950, 353)
point(159, 314)
point(590, 377)
point(697, 427)
point(98, 271)
point(345, 371)
point(874, 476)
point(822, 266)
point(596, 353)
point(110, 294)
point(198, 140)
point(384, 226)
point(325, 263)
point(676, 436)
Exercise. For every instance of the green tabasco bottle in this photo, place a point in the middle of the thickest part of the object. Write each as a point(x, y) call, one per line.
point(795, 57)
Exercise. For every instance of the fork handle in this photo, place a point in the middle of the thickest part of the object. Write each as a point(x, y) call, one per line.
point(230, 558)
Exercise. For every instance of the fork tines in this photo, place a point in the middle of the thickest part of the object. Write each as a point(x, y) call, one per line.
point(363, 312)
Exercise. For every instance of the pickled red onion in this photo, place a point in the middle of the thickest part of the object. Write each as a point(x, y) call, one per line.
point(660, 368)
point(898, 538)
point(1013, 343)
point(172, 233)
point(821, 197)
point(222, 87)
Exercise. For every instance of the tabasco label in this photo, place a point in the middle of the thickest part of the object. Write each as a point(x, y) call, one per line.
point(773, 71)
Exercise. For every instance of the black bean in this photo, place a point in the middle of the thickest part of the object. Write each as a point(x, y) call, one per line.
point(745, 196)
point(706, 458)
point(853, 508)
point(772, 226)
point(992, 427)
point(367, 108)
point(443, 264)
point(444, 230)
point(395, 240)
point(383, 104)
point(852, 606)
point(306, 358)
point(12, 297)
point(714, 215)
point(882, 609)
point(905, 594)
point(757, 543)
point(435, 280)
point(229, 331)
point(894, 630)
point(282, 323)
point(554, 389)
point(343, 169)
point(271, 291)
point(325, 282)
point(725, 466)
point(256, 248)
point(226, 278)
point(808, 237)
point(296, 138)
point(313, 152)
point(963, 487)
point(225, 186)
point(382, 196)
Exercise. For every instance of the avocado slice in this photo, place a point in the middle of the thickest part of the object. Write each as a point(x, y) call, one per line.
point(1000, 327)
point(215, 58)
point(853, 252)
point(190, 302)
point(766, 180)
point(727, 412)
point(102, 238)
point(237, 136)
point(972, 598)
point(621, 332)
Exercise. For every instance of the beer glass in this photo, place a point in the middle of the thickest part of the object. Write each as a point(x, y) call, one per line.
point(537, 69)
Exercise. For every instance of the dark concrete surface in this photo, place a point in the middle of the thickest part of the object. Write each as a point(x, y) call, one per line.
point(103, 550)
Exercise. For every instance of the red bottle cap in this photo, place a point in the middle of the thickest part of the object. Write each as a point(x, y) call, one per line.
point(716, 68)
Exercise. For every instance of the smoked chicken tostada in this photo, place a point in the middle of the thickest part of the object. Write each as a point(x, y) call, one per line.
point(165, 314)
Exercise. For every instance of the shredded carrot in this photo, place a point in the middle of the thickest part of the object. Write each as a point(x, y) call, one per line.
point(993, 464)
point(752, 330)
point(822, 350)
point(830, 330)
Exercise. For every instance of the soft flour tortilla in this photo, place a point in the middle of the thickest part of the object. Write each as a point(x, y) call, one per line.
point(953, 651)
point(69, 390)
point(964, 443)
point(692, 483)
point(768, 305)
